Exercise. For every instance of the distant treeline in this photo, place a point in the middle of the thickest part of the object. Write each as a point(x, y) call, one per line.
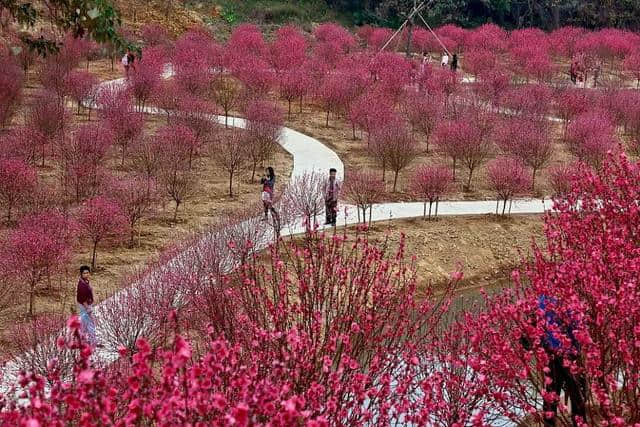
point(545, 14)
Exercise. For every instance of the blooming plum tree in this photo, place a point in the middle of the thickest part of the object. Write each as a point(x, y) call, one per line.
point(118, 114)
point(288, 50)
point(18, 181)
point(393, 148)
point(632, 66)
point(423, 114)
point(231, 152)
point(11, 79)
point(561, 176)
point(81, 86)
point(264, 126)
point(364, 189)
point(36, 249)
point(590, 136)
point(145, 78)
point(528, 140)
point(430, 183)
point(508, 178)
point(101, 218)
point(137, 196)
point(48, 117)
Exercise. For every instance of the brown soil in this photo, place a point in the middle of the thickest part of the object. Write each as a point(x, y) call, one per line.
point(485, 248)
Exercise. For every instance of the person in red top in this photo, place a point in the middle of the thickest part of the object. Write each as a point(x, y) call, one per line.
point(331, 194)
point(84, 297)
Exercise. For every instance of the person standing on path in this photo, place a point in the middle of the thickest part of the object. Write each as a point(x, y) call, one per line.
point(445, 59)
point(84, 297)
point(331, 195)
point(125, 64)
point(454, 63)
point(131, 59)
point(268, 182)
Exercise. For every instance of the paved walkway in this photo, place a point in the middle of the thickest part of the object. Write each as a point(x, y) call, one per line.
point(309, 155)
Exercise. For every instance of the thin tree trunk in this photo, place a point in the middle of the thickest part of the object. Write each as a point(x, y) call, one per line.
point(93, 257)
point(32, 292)
point(327, 121)
point(497, 205)
point(231, 184)
point(395, 180)
point(437, 202)
point(424, 209)
point(504, 206)
point(175, 212)
point(469, 180)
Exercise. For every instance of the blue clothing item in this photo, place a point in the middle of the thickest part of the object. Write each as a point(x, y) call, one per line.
point(88, 326)
point(550, 340)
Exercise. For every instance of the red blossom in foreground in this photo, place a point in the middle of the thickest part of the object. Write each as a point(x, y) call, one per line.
point(100, 218)
point(266, 360)
point(589, 266)
point(508, 178)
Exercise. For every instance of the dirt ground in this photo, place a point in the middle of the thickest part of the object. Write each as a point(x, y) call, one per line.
point(486, 248)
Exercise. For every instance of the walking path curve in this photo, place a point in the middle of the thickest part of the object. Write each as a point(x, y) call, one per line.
point(309, 156)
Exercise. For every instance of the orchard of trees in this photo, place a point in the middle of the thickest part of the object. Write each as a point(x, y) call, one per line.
point(325, 330)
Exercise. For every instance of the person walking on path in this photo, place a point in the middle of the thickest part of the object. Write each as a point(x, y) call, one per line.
point(454, 63)
point(84, 297)
point(268, 182)
point(560, 375)
point(445, 59)
point(125, 64)
point(131, 60)
point(331, 195)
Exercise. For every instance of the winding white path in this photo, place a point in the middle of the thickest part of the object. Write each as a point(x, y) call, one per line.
point(309, 155)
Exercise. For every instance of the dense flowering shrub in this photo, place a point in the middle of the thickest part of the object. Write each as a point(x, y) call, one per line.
point(293, 348)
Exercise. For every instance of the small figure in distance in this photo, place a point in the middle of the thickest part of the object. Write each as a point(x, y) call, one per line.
point(131, 58)
point(445, 59)
point(125, 64)
point(331, 195)
point(454, 63)
point(84, 297)
point(268, 182)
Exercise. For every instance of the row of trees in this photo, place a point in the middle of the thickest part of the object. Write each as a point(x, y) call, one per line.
point(385, 352)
